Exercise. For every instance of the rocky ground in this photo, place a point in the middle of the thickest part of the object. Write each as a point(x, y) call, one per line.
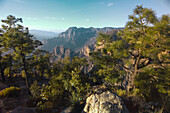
point(8, 105)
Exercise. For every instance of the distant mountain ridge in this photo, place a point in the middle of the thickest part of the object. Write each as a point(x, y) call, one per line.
point(41, 34)
point(75, 38)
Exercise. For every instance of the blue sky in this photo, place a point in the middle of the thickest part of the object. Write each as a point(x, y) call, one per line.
point(58, 15)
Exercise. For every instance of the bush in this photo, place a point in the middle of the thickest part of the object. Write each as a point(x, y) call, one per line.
point(9, 92)
point(47, 97)
point(121, 92)
point(35, 91)
point(45, 106)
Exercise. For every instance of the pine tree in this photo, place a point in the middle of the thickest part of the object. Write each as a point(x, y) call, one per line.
point(146, 37)
point(40, 62)
point(141, 44)
point(17, 39)
point(105, 58)
point(3, 63)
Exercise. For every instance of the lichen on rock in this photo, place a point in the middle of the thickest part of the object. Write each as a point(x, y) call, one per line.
point(105, 102)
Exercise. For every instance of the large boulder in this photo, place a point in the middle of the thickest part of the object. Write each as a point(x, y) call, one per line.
point(105, 102)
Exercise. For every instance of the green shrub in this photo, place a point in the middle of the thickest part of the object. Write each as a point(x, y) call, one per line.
point(35, 91)
point(135, 92)
point(47, 97)
point(121, 92)
point(9, 92)
point(45, 106)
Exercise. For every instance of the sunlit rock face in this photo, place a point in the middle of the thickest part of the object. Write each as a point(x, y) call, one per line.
point(60, 52)
point(86, 50)
point(75, 38)
point(104, 102)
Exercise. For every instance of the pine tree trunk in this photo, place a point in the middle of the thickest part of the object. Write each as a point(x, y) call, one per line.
point(135, 72)
point(10, 72)
point(2, 75)
point(133, 80)
point(10, 66)
point(2, 70)
point(27, 76)
point(36, 74)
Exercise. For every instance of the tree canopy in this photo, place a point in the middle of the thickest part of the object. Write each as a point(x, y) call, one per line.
point(18, 42)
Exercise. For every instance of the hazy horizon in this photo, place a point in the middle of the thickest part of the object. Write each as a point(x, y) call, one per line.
point(59, 31)
point(59, 15)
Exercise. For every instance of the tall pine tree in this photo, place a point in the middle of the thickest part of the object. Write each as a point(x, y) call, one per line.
point(142, 43)
point(19, 42)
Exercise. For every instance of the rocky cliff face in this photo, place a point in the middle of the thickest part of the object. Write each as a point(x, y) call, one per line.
point(75, 38)
point(74, 31)
point(60, 52)
point(71, 32)
point(84, 52)
point(90, 45)
point(75, 42)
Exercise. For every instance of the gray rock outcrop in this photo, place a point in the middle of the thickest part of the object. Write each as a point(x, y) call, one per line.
point(105, 102)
